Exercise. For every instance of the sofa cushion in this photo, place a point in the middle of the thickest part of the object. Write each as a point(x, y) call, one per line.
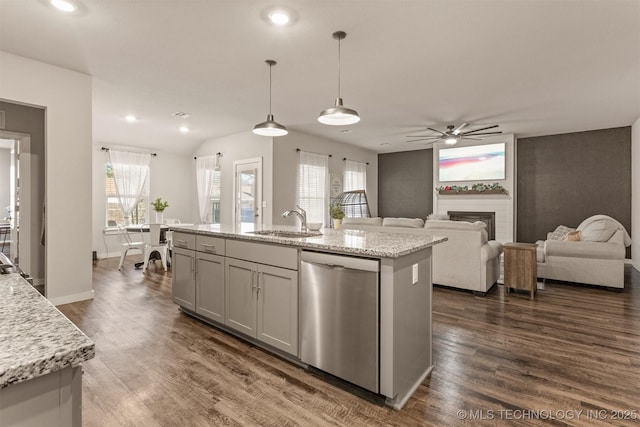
point(610, 222)
point(403, 222)
point(559, 232)
point(362, 221)
point(458, 225)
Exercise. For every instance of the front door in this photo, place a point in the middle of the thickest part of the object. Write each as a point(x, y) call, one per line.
point(248, 193)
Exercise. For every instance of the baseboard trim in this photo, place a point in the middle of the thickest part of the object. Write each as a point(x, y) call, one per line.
point(68, 299)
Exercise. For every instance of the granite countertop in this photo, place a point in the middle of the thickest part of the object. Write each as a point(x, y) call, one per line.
point(35, 338)
point(357, 242)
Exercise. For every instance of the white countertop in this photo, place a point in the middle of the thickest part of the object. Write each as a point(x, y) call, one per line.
point(35, 338)
point(357, 242)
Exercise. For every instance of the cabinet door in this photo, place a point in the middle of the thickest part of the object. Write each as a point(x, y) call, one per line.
point(210, 286)
point(278, 308)
point(183, 278)
point(240, 295)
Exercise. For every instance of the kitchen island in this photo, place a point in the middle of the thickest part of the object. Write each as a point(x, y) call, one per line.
point(41, 353)
point(263, 286)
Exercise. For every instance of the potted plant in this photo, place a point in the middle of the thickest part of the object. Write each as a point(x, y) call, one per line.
point(336, 213)
point(159, 206)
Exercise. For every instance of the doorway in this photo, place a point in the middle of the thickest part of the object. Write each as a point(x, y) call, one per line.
point(247, 193)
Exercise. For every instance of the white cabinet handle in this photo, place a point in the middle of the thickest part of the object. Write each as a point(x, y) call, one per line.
point(260, 280)
point(208, 248)
point(181, 243)
point(253, 281)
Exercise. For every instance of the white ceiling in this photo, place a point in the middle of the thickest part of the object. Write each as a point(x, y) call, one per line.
point(533, 67)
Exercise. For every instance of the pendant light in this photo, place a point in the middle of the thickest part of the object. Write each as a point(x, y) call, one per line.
point(339, 115)
point(270, 127)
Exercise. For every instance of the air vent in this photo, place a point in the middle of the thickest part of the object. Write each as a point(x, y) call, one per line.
point(181, 115)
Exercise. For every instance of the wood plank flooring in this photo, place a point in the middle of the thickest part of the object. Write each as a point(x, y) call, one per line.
point(573, 348)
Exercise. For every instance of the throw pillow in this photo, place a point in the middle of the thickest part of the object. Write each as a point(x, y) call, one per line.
point(599, 231)
point(403, 222)
point(458, 225)
point(437, 216)
point(572, 236)
point(560, 232)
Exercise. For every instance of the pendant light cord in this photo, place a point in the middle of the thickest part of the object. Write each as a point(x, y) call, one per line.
point(270, 66)
point(339, 68)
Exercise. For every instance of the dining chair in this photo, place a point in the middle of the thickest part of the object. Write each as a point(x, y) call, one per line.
point(128, 243)
point(155, 245)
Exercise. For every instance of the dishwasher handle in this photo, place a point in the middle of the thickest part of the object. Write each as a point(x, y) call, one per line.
point(339, 261)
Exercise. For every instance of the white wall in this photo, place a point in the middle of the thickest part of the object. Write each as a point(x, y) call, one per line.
point(245, 145)
point(66, 95)
point(503, 205)
point(635, 194)
point(170, 179)
point(5, 183)
point(285, 161)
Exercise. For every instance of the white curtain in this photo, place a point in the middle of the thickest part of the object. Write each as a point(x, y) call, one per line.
point(355, 175)
point(313, 186)
point(130, 171)
point(205, 168)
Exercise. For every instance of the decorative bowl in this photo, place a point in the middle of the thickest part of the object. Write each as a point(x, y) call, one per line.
point(314, 226)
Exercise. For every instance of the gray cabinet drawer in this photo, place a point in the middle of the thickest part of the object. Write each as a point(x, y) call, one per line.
point(210, 245)
point(278, 256)
point(184, 240)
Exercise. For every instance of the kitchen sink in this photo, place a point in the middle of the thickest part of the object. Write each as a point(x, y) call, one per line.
point(285, 233)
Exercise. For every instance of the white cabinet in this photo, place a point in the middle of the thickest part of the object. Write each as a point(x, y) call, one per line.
point(184, 278)
point(262, 302)
point(198, 277)
point(209, 286)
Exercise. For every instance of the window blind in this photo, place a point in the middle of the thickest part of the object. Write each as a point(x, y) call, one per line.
point(313, 186)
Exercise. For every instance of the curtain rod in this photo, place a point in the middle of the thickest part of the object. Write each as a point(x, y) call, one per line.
point(298, 149)
point(218, 154)
point(138, 152)
point(344, 158)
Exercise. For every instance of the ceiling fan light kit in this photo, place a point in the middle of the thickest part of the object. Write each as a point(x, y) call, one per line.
point(339, 115)
point(270, 127)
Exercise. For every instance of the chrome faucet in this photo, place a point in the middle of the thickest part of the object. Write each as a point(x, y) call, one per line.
point(300, 213)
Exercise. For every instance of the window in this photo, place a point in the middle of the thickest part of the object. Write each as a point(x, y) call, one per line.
point(313, 186)
point(114, 210)
point(355, 175)
point(213, 216)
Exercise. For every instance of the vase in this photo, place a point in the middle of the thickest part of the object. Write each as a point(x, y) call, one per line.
point(337, 223)
point(159, 217)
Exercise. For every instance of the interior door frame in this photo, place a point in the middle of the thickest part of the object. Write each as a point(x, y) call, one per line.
point(23, 234)
point(242, 165)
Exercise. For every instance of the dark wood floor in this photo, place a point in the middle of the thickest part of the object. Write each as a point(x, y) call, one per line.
point(574, 348)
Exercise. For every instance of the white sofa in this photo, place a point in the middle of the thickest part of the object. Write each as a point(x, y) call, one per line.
point(596, 259)
point(467, 260)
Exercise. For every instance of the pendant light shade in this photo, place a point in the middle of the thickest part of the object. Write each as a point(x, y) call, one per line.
point(270, 127)
point(339, 114)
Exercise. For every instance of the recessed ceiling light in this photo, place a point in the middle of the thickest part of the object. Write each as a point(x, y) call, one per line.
point(279, 17)
point(184, 129)
point(64, 5)
point(130, 118)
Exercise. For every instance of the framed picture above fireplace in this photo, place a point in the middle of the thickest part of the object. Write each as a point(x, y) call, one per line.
point(472, 163)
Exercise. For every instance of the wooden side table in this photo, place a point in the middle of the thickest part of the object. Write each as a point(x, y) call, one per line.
point(520, 266)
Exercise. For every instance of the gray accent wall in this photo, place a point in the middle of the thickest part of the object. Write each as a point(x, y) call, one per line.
point(563, 179)
point(405, 184)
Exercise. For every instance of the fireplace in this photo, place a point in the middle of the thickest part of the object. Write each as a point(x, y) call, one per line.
point(488, 218)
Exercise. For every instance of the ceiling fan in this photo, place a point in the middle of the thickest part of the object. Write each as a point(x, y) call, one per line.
point(454, 134)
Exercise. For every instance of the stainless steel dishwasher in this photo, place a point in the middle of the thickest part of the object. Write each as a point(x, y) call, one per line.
point(339, 316)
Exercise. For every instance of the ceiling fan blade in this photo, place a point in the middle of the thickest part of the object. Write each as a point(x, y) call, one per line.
point(424, 139)
point(482, 133)
point(478, 130)
point(474, 139)
point(422, 136)
point(457, 130)
point(437, 131)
